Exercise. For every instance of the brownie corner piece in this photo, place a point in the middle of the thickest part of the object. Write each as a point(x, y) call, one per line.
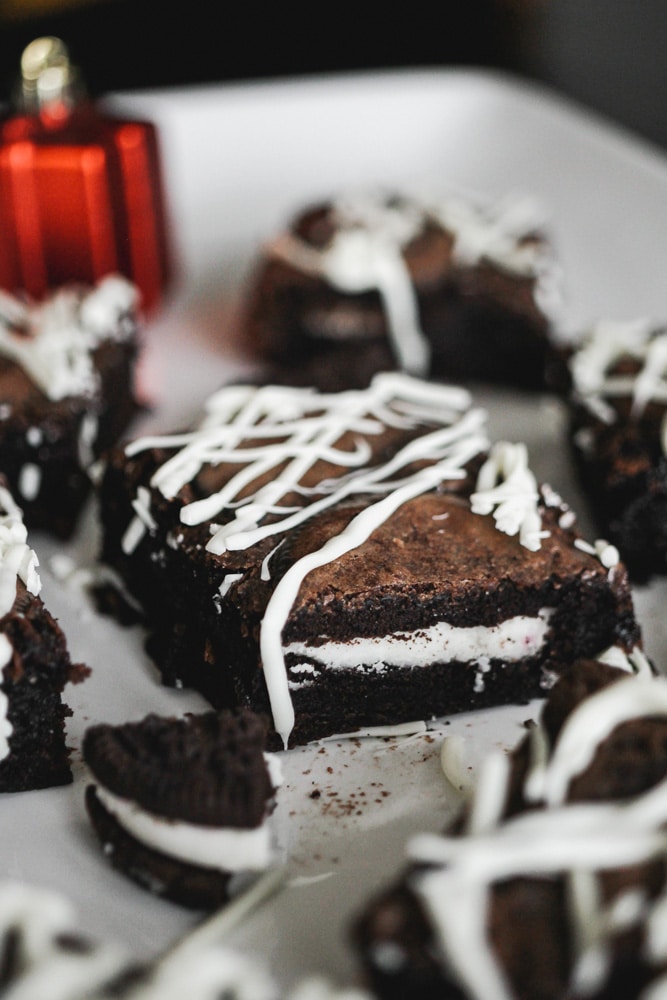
point(36, 667)
point(351, 560)
point(67, 393)
point(617, 407)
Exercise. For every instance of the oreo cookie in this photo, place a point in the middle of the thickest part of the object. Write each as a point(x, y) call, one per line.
point(182, 805)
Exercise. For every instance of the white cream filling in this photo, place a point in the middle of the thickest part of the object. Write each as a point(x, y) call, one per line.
point(511, 640)
point(225, 849)
point(228, 849)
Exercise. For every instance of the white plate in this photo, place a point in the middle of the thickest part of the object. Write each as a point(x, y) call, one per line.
point(239, 160)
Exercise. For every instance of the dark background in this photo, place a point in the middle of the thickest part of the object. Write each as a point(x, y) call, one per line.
point(610, 55)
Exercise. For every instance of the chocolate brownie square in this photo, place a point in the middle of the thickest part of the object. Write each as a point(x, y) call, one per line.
point(617, 406)
point(554, 882)
point(348, 560)
point(36, 666)
point(447, 288)
point(66, 393)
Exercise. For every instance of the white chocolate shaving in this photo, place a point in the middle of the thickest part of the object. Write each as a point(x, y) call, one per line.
point(508, 489)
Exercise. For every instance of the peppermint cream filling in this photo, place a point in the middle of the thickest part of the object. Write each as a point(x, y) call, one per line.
point(223, 848)
point(511, 640)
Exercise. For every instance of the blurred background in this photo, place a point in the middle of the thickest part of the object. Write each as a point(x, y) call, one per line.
point(606, 54)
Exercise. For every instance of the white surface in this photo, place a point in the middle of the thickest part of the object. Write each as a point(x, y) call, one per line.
point(238, 161)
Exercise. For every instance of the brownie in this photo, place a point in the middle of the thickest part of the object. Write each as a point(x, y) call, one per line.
point(36, 666)
point(182, 805)
point(450, 288)
point(617, 406)
point(66, 393)
point(556, 889)
point(343, 561)
point(45, 953)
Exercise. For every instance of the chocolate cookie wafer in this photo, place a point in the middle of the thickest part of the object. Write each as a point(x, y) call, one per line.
point(181, 805)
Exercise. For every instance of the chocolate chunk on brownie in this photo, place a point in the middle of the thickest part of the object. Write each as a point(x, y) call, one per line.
point(617, 406)
point(349, 560)
point(554, 892)
point(66, 393)
point(35, 666)
point(449, 288)
point(182, 805)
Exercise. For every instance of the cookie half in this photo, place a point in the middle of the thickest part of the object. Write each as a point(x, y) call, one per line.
point(182, 805)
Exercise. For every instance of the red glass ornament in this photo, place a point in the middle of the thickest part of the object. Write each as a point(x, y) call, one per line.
point(81, 191)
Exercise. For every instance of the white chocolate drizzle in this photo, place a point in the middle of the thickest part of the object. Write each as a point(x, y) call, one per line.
point(576, 841)
point(585, 838)
point(40, 921)
point(603, 550)
point(54, 341)
point(607, 343)
point(506, 232)
point(17, 559)
point(366, 253)
point(507, 488)
point(53, 959)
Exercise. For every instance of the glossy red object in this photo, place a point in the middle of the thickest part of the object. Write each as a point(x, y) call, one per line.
point(81, 195)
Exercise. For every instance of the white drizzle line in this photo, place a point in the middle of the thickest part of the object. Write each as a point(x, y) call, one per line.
point(540, 775)
point(197, 966)
point(498, 232)
point(54, 341)
point(507, 488)
point(588, 726)
point(366, 254)
point(607, 343)
point(587, 837)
